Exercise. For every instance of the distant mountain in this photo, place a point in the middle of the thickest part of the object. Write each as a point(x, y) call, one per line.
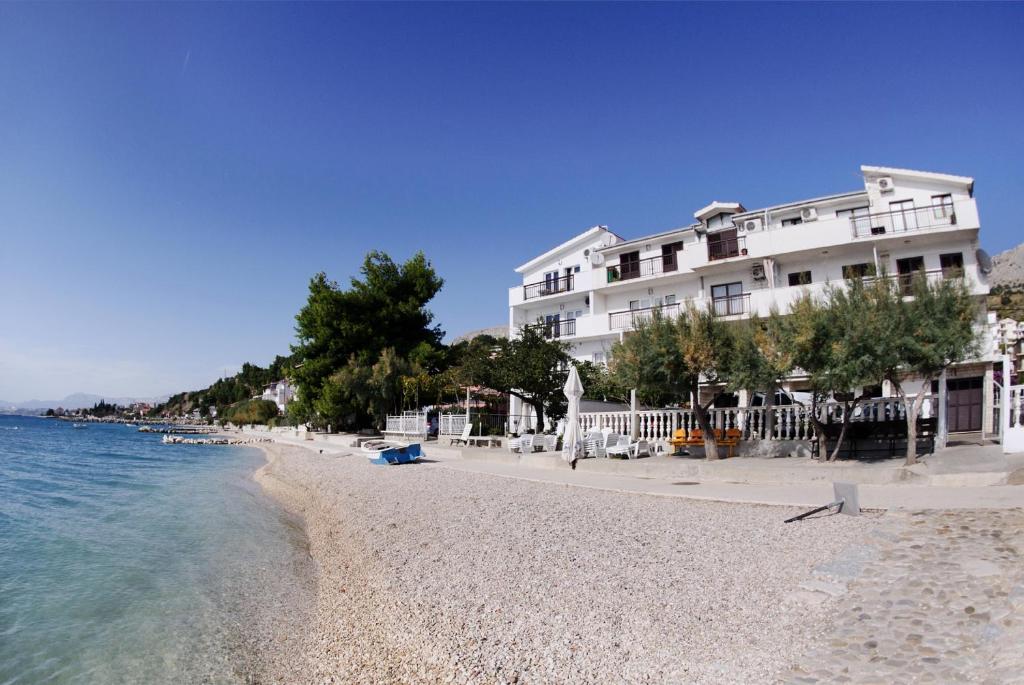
point(493, 331)
point(78, 400)
point(1008, 268)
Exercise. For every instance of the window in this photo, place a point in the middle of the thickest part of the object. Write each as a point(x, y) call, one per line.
point(670, 299)
point(853, 213)
point(862, 270)
point(668, 255)
point(552, 326)
point(799, 278)
point(908, 268)
point(728, 298)
point(942, 206)
point(952, 264)
point(793, 221)
point(629, 265)
point(859, 217)
point(552, 283)
point(597, 357)
point(903, 216)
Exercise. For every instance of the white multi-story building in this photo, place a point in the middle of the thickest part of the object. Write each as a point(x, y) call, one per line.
point(590, 290)
point(280, 393)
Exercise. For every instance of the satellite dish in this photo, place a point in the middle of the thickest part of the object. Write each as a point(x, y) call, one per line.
point(984, 261)
point(586, 252)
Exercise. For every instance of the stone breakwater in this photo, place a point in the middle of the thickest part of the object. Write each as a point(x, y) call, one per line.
point(428, 575)
point(179, 440)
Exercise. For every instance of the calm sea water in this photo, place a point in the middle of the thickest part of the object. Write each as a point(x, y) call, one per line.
point(123, 560)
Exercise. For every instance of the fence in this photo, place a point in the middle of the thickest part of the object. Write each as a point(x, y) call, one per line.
point(483, 424)
point(790, 422)
point(408, 424)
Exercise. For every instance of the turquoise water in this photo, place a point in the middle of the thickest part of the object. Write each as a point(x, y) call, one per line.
point(123, 560)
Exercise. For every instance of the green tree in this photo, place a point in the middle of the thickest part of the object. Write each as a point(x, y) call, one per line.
point(529, 367)
point(649, 360)
point(843, 341)
point(936, 330)
point(704, 343)
point(336, 328)
point(759, 358)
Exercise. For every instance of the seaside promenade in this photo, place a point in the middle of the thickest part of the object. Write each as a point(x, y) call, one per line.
point(472, 569)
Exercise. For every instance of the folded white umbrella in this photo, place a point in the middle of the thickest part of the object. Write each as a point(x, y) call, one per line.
point(572, 439)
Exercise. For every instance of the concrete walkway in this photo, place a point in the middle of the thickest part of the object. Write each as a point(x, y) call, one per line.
point(746, 480)
point(910, 497)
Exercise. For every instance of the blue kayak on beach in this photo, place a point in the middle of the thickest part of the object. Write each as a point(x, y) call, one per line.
point(382, 452)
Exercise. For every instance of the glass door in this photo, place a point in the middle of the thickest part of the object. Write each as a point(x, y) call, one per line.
point(727, 299)
point(903, 217)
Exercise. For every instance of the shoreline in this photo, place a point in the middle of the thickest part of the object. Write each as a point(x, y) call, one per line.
point(425, 574)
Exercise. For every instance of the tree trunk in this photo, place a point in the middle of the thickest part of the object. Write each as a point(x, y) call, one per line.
point(710, 444)
point(538, 407)
point(847, 413)
point(913, 409)
point(769, 414)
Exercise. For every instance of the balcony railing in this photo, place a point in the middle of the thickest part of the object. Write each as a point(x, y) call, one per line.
point(551, 286)
point(903, 221)
point(555, 329)
point(624, 271)
point(729, 247)
point(628, 319)
point(731, 305)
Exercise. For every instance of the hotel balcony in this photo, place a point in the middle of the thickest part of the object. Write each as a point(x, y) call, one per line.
point(731, 305)
point(563, 328)
point(727, 248)
point(551, 286)
point(627, 319)
point(641, 268)
point(904, 221)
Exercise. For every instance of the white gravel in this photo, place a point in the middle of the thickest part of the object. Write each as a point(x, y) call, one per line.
point(426, 574)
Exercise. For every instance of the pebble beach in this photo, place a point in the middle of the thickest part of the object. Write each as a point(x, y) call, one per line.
point(428, 574)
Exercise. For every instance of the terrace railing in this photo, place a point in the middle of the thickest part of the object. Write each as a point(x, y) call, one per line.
point(730, 305)
point(790, 422)
point(726, 248)
point(903, 221)
point(639, 268)
point(555, 329)
point(628, 318)
point(550, 286)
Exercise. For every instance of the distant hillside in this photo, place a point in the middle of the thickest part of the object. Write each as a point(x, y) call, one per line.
point(1008, 268)
point(1007, 283)
point(493, 331)
point(247, 383)
point(80, 400)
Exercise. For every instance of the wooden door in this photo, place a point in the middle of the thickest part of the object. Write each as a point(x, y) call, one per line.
point(964, 404)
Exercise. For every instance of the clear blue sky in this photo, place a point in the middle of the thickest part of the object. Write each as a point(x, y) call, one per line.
point(172, 175)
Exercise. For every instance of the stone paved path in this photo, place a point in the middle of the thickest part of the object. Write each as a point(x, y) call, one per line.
point(933, 597)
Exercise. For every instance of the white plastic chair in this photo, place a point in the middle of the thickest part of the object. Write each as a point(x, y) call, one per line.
point(526, 443)
point(601, 446)
point(514, 444)
point(550, 443)
point(620, 448)
point(464, 438)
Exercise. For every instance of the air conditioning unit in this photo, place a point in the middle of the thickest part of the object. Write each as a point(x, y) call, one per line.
point(750, 225)
point(586, 252)
point(885, 184)
point(809, 214)
point(757, 272)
